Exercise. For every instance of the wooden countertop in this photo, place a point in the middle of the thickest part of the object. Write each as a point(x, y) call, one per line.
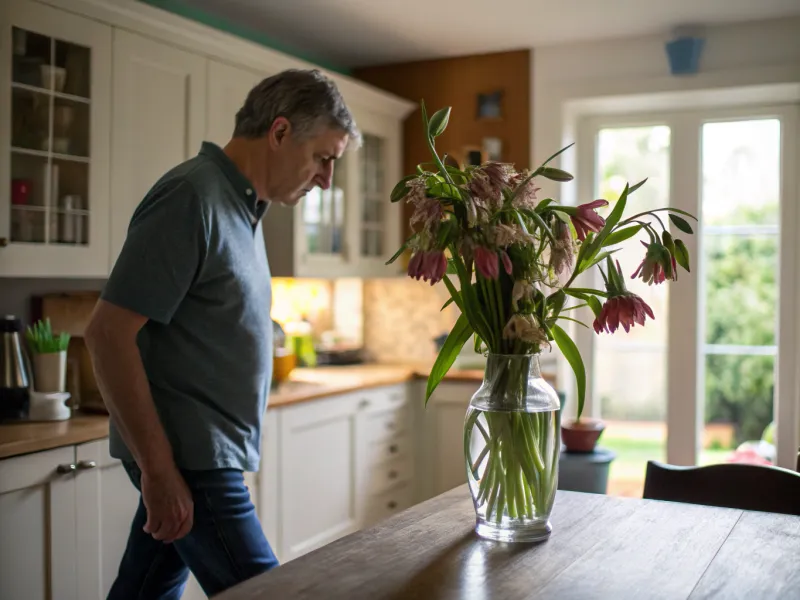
point(601, 547)
point(22, 438)
point(304, 385)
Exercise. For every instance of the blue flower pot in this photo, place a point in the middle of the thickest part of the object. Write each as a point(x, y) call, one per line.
point(684, 55)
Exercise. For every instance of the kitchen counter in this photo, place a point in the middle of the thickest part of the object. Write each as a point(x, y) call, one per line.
point(303, 385)
point(22, 438)
point(601, 547)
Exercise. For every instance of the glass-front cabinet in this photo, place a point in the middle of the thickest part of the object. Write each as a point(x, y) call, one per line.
point(54, 144)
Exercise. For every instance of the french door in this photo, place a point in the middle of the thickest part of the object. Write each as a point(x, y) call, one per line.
point(718, 366)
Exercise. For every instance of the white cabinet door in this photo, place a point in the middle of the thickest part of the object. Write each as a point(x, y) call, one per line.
point(55, 110)
point(318, 466)
point(38, 527)
point(268, 481)
point(227, 89)
point(159, 98)
point(443, 425)
point(107, 501)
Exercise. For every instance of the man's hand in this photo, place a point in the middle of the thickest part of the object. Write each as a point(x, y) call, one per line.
point(170, 509)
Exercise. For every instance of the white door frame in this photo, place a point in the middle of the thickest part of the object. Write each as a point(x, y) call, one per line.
point(685, 396)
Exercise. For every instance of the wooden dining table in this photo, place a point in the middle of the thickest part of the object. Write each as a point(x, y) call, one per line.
point(601, 547)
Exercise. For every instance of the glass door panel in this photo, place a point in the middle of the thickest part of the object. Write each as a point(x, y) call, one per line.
point(630, 369)
point(740, 206)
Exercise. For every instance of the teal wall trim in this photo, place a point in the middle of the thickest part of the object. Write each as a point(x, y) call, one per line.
point(178, 7)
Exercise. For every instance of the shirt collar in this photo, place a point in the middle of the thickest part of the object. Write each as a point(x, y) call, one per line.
point(244, 189)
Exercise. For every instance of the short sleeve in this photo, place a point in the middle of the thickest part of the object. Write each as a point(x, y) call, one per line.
point(163, 252)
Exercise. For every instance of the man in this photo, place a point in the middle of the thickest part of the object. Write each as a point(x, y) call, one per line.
point(181, 339)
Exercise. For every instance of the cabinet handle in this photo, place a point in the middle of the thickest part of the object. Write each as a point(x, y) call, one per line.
point(3, 242)
point(86, 464)
point(393, 448)
point(363, 404)
point(65, 469)
point(392, 474)
point(392, 505)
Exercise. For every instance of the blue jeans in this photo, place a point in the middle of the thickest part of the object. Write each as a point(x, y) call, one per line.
point(225, 546)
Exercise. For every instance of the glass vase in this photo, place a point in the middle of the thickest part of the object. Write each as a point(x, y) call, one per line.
point(512, 445)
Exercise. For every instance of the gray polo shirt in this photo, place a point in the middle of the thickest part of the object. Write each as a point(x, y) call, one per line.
point(194, 264)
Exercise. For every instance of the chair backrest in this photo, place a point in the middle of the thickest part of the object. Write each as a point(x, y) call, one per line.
point(746, 487)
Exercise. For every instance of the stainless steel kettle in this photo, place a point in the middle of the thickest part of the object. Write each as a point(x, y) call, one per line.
point(14, 371)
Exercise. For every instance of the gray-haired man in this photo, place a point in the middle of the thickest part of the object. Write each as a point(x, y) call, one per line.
point(181, 340)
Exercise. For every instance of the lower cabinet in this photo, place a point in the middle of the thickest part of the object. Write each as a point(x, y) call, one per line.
point(329, 468)
point(64, 520)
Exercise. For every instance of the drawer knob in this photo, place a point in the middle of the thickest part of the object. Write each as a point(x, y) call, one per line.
point(393, 448)
point(392, 474)
point(363, 404)
point(65, 469)
point(86, 464)
point(392, 505)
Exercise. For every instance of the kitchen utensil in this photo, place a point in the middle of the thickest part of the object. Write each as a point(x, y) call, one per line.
point(15, 373)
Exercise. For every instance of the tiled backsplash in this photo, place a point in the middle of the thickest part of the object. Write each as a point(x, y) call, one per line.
point(402, 317)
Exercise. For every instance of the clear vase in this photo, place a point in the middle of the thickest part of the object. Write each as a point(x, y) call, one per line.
point(512, 445)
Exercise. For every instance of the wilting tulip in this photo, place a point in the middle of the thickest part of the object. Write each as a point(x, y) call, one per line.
point(586, 218)
point(428, 265)
point(486, 262)
point(658, 265)
point(624, 310)
point(506, 262)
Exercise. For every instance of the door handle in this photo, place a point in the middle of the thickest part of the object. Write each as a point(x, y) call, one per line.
point(86, 464)
point(66, 469)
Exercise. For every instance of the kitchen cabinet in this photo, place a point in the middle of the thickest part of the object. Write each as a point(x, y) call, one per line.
point(351, 229)
point(228, 87)
point(159, 120)
point(55, 110)
point(64, 521)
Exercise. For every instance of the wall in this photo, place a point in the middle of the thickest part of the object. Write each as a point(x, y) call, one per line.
point(457, 82)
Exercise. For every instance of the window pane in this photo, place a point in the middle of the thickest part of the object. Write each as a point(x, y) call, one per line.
point(741, 273)
point(738, 404)
point(629, 375)
point(739, 276)
point(741, 172)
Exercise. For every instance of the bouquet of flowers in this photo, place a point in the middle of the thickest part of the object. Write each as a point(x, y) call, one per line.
point(515, 258)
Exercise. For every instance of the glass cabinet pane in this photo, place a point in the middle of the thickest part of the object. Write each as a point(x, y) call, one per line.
point(324, 217)
point(50, 149)
point(372, 195)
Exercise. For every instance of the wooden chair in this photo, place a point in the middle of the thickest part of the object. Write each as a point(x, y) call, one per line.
point(746, 487)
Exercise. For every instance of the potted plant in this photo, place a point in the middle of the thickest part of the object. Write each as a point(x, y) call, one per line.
point(514, 259)
point(49, 356)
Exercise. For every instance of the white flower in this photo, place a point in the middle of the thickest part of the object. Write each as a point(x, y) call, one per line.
point(502, 235)
point(525, 328)
point(523, 290)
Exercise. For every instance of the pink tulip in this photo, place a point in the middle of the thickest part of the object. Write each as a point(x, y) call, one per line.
point(429, 266)
point(506, 262)
point(586, 219)
point(624, 310)
point(486, 262)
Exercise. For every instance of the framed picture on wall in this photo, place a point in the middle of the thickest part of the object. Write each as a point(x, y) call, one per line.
point(493, 148)
point(490, 105)
point(473, 156)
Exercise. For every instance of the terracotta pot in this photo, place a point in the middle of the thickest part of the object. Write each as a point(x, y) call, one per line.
point(581, 436)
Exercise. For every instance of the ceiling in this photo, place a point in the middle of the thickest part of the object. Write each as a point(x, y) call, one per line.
point(353, 33)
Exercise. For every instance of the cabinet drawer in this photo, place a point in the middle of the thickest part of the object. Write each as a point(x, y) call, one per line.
point(382, 477)
point(389, 449)
point(382, 506)
point(387, 424)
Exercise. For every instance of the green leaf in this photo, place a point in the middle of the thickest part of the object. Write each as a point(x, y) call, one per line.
point(564, 149)
point(554, 174)
point(681, 224)
point(595, 305)
point(556, 301)
point(451, 267)
point(681, 254)
point(600, 257)
point(635, 187)
point(620, 235)
point(580, 292)
point(400, 251)
point(573, 356)
point(543, 204)
point(454, 293)
point(666, 239)
point(569, 319)
point(455, 341)
point(439, 189)
point(438, 122)
point(401, 189)
point(446, 304)
point(534, 216)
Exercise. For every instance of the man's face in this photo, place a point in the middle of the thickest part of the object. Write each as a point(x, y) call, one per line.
point(297, 165)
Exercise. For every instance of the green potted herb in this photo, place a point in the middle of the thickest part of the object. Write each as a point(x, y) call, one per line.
point(49, 356)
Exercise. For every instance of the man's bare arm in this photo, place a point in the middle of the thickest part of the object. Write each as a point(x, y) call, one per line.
point(111, 340)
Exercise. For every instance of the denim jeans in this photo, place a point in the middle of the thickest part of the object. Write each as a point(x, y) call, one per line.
point(225, 546)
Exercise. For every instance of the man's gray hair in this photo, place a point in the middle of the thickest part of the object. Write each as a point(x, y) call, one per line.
point(309, 100)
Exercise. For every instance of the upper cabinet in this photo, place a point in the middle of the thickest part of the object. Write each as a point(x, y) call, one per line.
point(159, 120)
point(55, 83)
point(99, 100)
point(350, 229)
